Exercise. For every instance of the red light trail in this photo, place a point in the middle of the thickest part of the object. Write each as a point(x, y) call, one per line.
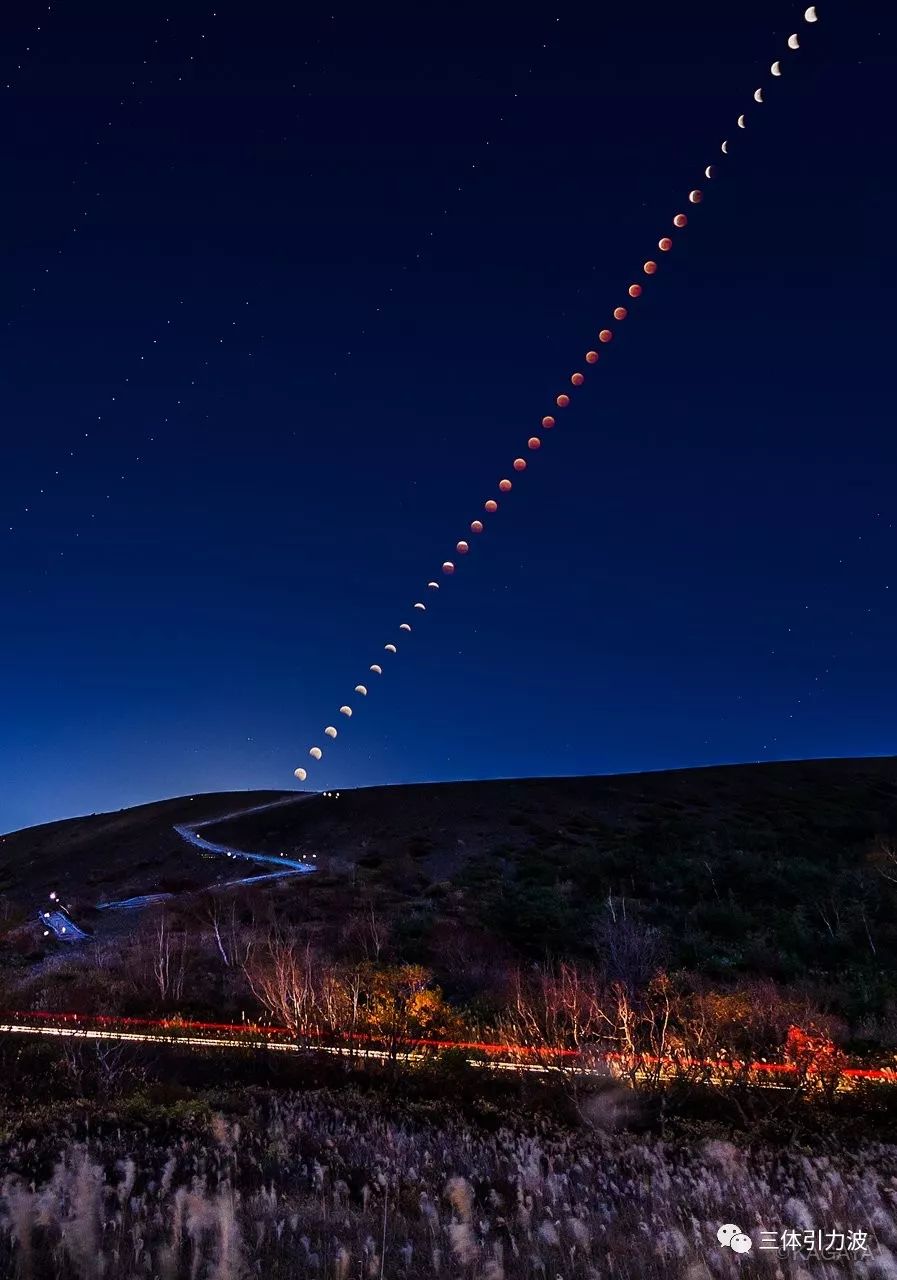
point(168, 1030)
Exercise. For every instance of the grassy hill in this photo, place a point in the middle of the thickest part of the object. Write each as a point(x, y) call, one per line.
point(759, 871)
point(113, 854)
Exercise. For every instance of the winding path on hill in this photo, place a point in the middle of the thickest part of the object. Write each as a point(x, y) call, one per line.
point(66, 930)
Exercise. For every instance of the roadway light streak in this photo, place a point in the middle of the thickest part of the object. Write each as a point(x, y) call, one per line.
point(254, 1036)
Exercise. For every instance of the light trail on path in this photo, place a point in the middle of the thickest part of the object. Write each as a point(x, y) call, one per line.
point(187, 832)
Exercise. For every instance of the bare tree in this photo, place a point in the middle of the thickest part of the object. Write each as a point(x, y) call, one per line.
point(369, 932)
point(288, 977)
point(102, 1064)
point(884, 855)
point(342, 993)
point(631, 952)
point(558, 1018)
point(169, 960)
point(230, 939)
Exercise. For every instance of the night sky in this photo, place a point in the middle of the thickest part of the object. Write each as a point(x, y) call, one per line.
point(322, 270)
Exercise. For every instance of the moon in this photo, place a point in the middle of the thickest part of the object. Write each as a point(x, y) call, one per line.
point(793, 42)
point(300, 774)
point(725, 148)
point(741, 122)
point(758, 95)
point(810, 15)
point(709, 171)
point(776, 68)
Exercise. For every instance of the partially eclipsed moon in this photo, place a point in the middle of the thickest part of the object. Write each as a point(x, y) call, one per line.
point(793, 42)
point(300, 774)
point(725, 148)
point(709, 171)
point(758, 95)
point(741, 122)
point(810, 15)
point(776, 68)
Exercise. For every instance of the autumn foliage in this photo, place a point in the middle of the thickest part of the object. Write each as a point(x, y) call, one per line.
point(344, 1003)
point(567, 1019)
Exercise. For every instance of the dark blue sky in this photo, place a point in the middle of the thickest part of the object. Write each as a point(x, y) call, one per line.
point(325, 315)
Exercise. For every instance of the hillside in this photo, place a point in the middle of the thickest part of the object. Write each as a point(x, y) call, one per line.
point(771, 870)
point(794, 803)
point(740, 872)
point(113, 854)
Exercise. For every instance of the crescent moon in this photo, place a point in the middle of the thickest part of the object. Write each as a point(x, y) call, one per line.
point(793, 42)
point(810, 15)
point(776, 68)
point(758, 95)
point(725, 148)
point(741, 122)
point(709, 171)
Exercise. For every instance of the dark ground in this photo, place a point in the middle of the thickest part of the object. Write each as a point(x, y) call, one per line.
point(736, 873)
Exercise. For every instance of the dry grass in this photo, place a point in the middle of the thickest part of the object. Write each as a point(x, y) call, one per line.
point(325, 1186)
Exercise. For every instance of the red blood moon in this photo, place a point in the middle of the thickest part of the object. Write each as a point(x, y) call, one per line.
point(491, 505)
point(591, 357)
point(605, 335)
point(577, 379)
point(505, 486)
point(520, 464)
point(635, 291)
point(548, 422)
point(650, 267)
point(562, 401)
point(680, 220)
point(620, 313)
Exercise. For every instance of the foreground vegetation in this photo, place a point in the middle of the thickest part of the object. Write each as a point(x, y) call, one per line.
point(679, 927)
point(782, 873)
point(348, 1184)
